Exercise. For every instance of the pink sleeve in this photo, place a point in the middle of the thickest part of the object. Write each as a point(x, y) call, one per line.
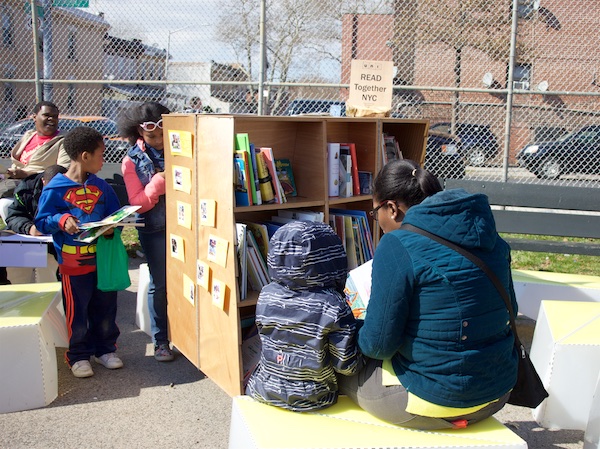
point(139, 195)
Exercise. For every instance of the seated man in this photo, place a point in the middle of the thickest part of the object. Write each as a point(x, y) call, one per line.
point(20, 219)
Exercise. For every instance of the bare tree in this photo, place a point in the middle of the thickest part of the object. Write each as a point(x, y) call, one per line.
point(299, 36)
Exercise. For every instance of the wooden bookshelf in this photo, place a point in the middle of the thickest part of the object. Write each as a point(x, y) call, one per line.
point(211, 337)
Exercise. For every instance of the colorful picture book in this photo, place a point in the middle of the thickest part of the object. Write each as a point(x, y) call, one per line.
point(94, 229)
point(358, 289)
point(286, 176)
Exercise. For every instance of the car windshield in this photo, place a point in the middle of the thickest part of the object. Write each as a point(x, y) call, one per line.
point(106, 127)
point(18, 127)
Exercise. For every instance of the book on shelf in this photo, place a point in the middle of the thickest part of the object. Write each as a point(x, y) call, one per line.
point(94, 229)
point(390, 149)
point(243, 144)
point(365, 179)
point(267, 154)
point(261, 236)
point(253, 152)
point(358, 289)
point(333, 168)
point(242, 253)
point(251, 349)
point(243, 192)
point(351, 149)
point(257, 265)
point(265, 181)
point(358, 237)
point(345, 190)
point(300, 215)
point(285, 175)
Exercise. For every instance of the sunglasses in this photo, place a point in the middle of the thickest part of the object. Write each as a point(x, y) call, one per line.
point(151, 126)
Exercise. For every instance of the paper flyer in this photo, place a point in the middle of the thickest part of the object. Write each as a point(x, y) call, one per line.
point(207, 212)
point(182, 179)
point(177, 247)
point(181, 143)
point(217, 250)
point(184, 214)
point(189, 289)
point(202, 274)
point(219, 291)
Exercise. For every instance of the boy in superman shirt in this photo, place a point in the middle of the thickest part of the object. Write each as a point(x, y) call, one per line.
point(68, 200)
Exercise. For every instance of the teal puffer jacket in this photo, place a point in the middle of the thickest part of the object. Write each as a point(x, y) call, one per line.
point(435, 313)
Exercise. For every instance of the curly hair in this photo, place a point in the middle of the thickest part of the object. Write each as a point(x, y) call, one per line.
point(130, 119)
point(405, 181)
point(81, 139)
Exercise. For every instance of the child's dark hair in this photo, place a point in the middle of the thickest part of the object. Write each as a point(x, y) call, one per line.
point(52, 171)
point(130, 119)
point(82, 139)
point(405, 181)
point(38, 107)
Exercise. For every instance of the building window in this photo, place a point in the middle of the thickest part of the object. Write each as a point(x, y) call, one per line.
point(7, 28)
point(71, 46)
point(522, 76)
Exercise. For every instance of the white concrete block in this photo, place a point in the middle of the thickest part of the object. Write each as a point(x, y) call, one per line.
point(31, 326)
point(591, 439)
point(142, 315)
point(533, 287)
point(566, 353)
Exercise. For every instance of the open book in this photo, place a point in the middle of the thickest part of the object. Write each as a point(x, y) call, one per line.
point(94, 229)
point(358, 289)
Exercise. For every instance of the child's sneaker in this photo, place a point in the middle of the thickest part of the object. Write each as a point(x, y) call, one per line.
point(110, 361)
point(83, 368)
point(163, 353)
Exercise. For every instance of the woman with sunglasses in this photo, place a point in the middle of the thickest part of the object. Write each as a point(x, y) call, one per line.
point(433, 316)
point(144, 176)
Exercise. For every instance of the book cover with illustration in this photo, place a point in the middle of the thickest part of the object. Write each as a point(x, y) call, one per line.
point(94, 229)
point(358, 289)
point(286, 176)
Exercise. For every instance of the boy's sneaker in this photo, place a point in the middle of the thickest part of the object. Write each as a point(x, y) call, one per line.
point(83, 368)
point(163, 353)
point(110, 361)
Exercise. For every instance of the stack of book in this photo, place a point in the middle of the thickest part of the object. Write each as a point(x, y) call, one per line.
point(352, 227)
point(344, 176)
point(258, 175)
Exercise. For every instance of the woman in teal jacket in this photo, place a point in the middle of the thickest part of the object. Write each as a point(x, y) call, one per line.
point(434, 314)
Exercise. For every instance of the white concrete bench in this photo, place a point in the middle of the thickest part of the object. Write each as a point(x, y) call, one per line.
point(566, 353)
point(532, 287)
point(32, 324)
point(345, 425)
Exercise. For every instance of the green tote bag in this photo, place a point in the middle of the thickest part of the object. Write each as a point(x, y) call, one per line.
point(112, 263)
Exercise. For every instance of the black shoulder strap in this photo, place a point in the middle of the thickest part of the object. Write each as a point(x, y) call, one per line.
point(477, 261)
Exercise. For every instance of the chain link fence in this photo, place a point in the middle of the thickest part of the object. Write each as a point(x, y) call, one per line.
point(509, 85)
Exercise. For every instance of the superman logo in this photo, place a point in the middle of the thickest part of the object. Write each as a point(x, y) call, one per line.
point(84, 198)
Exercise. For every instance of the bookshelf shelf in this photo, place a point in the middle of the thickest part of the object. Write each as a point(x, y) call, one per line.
point(211, 336)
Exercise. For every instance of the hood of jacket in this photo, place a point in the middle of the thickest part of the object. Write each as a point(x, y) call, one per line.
point(305, 255)
point(464, 218)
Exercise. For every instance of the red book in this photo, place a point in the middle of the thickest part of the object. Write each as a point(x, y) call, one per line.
point(355, 180)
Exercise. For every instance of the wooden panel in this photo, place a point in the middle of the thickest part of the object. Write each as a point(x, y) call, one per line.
point(220, 352)
point(183, 322)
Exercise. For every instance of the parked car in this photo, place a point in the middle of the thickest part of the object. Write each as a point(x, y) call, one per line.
point(442, 157)
point(115, 146)
point(478, 142)
point(576, 152)
point(335, 108)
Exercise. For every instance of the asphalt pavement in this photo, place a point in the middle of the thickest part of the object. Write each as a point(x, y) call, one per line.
point(148, 404)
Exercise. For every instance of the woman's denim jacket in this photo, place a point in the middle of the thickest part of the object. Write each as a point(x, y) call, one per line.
point(156, 218)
